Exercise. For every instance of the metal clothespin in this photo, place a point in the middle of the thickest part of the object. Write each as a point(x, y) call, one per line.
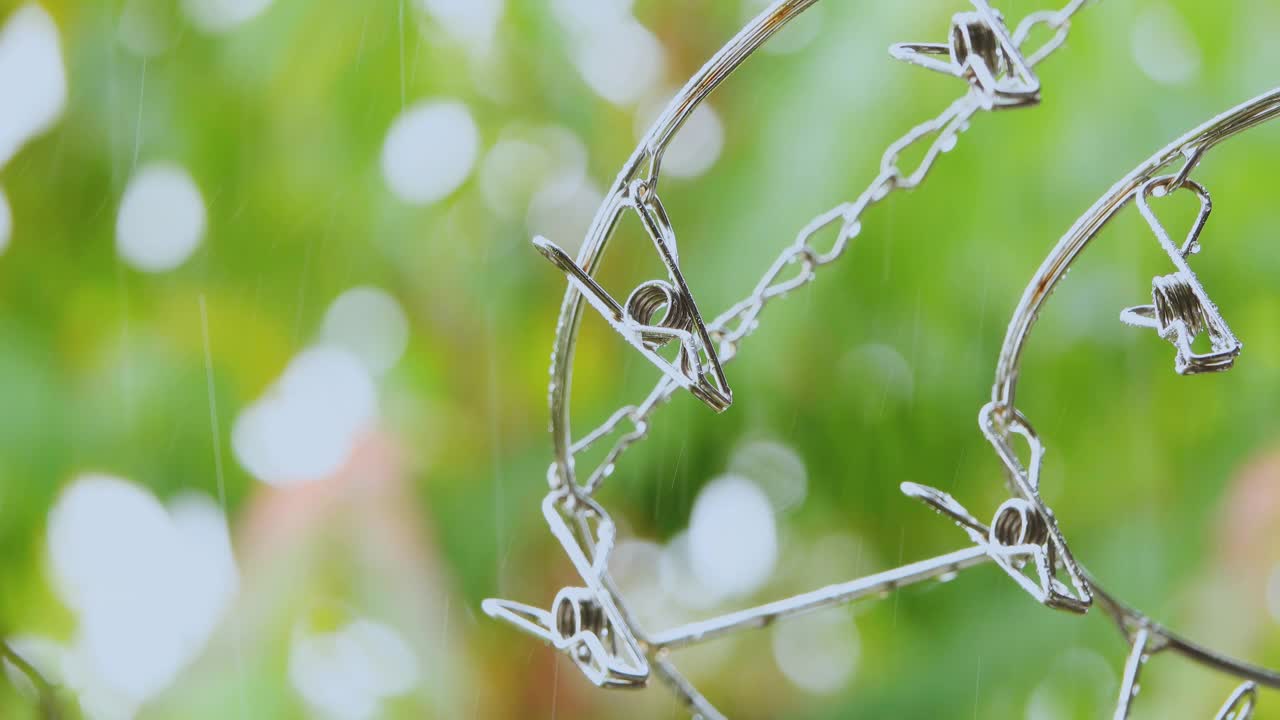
point(1181, 310)
point(592, 624)
point(982, 52)
point(1017, 538)
point(1026, 520)
point(584, 623)
point(656, 312)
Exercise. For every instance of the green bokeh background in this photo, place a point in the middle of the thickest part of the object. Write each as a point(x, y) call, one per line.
point(281, 123)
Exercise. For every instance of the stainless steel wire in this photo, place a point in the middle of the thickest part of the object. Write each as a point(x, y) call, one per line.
point(997, 70)
point(1180, 310)
point(592, 624)
point(795, 266)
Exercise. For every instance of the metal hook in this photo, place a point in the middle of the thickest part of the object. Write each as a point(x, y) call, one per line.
point(697, 367)
point(1181, 310)
point(1175, 299)
point(1024, 482)
point(584, 623)
point(660, 312)
point(1018, 534)
point(981, 52)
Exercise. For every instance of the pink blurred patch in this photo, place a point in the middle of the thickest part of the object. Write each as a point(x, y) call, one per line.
point(1249, 527)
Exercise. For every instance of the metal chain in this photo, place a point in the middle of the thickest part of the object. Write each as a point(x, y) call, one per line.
point(593, 625)
point(796, 265)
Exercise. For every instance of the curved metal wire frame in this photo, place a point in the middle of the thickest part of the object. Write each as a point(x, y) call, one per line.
point(979, 39)
point(650, 150)
point(1145, 636)
point(592, 623)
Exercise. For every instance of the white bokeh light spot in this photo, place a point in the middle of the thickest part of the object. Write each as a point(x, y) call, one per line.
point(775, 468)
point(510, 174)
point(430, 151)
point(306, 426)
point(636, 568)
point(148, 586)
point(586, 16)
point(33, 80)
point(473, 22)
point(733, 543)
point(348, 673)
point(1164, 47)
point(564, 217)
point(219, 16)
point(679, 581)
point(1273, 593)
point(620, 61)
point(880, 377)
point(394, 666)
point(84, 546)
point(1078, 683)
point(208, 576)
point(162, 219)
point(818, 652)
point(695, 148)
point(370, 324)
point(550, 162)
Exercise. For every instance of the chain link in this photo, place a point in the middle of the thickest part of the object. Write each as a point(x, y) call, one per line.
point(797, 264)
point(1022, 538)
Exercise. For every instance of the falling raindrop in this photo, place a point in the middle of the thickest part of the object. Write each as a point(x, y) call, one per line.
point(6, 222)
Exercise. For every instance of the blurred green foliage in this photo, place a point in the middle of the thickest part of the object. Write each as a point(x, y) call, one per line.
point(281, 124)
